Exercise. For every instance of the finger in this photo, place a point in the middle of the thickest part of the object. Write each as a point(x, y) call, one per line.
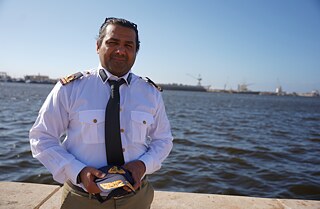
point(127, 189)
point(93, 188)
point(97, 173)
point(88, 175)
point(137, 184)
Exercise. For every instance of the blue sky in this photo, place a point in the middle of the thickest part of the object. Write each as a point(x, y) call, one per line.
point(264, 43)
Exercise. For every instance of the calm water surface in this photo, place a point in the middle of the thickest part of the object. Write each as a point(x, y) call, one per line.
point(265, 146)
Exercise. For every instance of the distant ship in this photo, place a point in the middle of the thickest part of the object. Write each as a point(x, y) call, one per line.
point(243, 89)
point(182, 87)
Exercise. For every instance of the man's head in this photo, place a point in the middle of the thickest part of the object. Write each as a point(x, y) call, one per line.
point(117, 45)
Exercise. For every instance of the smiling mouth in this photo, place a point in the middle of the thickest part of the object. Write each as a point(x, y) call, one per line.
point(119, 58)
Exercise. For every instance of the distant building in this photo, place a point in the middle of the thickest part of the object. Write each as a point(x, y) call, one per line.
point(314, 93)
point(4, 76)
point(37, 79)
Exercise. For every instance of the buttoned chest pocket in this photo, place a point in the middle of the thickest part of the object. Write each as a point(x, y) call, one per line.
point(92, 126)
point(140, 123)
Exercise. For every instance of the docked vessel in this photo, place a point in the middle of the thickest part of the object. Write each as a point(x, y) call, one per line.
point(182, 87)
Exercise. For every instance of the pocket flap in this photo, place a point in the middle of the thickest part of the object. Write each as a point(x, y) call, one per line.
point(92, 116)
point(142, 117)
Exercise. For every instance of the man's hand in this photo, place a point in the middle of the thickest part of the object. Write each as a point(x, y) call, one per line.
point(137, 169)
point(87, 177)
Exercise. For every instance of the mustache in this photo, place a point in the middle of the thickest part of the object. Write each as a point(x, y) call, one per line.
point(121, 56)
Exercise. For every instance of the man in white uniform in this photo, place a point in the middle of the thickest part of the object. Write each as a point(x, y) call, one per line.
point(76, 109)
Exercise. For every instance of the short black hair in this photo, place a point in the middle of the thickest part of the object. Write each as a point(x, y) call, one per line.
point(121, 22)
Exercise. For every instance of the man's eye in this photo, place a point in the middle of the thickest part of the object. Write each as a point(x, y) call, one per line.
point(111, 43)
point(129, 46)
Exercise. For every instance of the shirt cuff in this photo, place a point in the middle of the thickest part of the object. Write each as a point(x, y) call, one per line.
point(148, 162)
point(73, 169)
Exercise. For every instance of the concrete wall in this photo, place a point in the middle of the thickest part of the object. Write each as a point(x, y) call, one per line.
point(26, 195)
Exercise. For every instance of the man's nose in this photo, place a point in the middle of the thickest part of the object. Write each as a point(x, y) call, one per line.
point(121, 50)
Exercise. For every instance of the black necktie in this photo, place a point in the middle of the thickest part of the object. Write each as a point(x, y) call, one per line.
point(112, 125)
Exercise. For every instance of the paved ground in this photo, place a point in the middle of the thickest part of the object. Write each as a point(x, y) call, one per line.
point(26, 195)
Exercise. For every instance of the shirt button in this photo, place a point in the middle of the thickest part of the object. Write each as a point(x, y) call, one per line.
point(122, 130)
point(120, 109)
point(144, 122)
point(123, 149)
point(95, 120)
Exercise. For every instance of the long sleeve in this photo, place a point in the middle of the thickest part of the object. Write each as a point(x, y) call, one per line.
point(51, 124)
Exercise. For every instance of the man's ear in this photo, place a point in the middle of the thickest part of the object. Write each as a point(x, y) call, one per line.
point(97, 46)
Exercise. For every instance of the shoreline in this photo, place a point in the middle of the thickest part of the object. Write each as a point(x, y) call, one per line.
point(190, 88)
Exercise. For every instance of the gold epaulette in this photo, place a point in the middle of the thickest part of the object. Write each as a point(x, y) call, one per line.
point(70, 78)
point(152, 83)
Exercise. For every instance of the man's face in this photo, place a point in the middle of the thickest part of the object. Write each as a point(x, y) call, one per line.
point(117, 52)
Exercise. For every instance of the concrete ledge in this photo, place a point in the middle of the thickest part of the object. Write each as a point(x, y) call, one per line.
point(177, 200)
point(26, 195)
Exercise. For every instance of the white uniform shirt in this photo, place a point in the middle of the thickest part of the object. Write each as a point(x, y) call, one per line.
point(77, 109)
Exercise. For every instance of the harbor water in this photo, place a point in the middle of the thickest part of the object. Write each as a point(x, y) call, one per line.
point(259, 146)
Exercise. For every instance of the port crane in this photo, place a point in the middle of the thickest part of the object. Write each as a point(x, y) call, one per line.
point(199, 79)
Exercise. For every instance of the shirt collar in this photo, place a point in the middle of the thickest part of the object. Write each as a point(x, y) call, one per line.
point(105, 75)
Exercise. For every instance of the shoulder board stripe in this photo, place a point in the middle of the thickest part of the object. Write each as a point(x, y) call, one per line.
point(155, 85)
point(70, 78)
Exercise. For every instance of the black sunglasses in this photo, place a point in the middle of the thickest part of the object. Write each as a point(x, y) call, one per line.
point(111, 19)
